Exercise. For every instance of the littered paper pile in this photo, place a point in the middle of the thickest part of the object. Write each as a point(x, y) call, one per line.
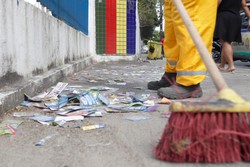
point(69, 103)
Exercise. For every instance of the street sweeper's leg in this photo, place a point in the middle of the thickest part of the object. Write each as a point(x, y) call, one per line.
point(181, 53)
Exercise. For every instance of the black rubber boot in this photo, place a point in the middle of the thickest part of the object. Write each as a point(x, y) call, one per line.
point(166, 80)
point(181, 92)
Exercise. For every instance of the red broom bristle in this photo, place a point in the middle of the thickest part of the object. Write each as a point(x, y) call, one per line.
point(205, 137)
point(244, 140)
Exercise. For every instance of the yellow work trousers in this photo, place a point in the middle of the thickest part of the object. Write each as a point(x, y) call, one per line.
point(180, 51)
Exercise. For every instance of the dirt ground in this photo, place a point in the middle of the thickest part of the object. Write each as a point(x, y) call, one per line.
point(121, 143)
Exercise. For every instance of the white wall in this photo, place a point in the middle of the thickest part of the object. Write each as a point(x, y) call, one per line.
point(92, 27)
point(39, 6)
point(33, 42)
point(38, 50)
point(33, 2)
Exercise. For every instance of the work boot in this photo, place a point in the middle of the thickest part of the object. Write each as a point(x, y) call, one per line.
point(178, 91)
point(166, 80)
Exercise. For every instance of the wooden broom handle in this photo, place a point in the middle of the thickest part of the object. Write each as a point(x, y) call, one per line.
point(213, 70)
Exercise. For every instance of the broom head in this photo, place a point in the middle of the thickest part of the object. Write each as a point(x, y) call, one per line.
point(213, 132)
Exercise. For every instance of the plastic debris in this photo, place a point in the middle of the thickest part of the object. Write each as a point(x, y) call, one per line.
point(153, 108)
point(89, 99)
point(30, 104)
point(149, 103)
point(145, 96)
point(55, 105)
point(9, 126)
point(24, 114)
point(59, 123)
point(95, 114)
point(76, 113)
point(43, 140)
point(26, 104)
point(70, 118)
point(56, 90)
point(73, 103)
point(42, 118)
point(27, 98)
point(91, 127)
point(117, 82)
point(103, 99)
point(100, 88)
point(92, 81)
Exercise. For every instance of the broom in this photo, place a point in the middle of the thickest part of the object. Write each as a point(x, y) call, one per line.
point(213, 132)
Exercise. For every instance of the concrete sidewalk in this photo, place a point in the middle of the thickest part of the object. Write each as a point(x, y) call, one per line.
point(11, 94)
point(122, 142)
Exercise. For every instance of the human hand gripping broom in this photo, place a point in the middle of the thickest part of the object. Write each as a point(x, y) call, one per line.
point(206, 132)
